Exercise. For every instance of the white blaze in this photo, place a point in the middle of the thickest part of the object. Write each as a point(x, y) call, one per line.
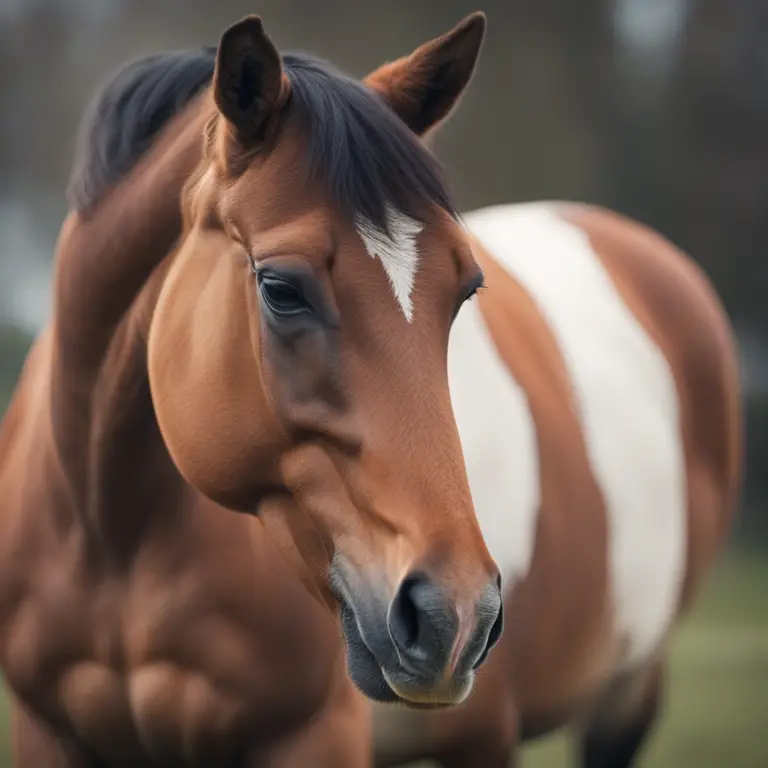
point(397, 253)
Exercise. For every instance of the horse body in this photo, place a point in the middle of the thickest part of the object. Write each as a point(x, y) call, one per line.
point(594, 383)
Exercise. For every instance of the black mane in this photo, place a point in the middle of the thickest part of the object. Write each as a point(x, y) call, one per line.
point(366, 154)
point(126, 116)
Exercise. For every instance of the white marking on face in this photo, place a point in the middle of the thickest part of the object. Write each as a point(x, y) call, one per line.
point(397, 252)
point(628, 410)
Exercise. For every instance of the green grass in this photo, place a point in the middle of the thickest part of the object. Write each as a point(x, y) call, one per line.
point(717, 710)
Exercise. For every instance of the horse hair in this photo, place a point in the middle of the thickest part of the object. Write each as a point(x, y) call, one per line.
point(366, 154)
point(127, 114)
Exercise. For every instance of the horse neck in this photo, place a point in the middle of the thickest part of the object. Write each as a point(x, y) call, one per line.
point(130, 475)
point(108, 267)
point(104, 256)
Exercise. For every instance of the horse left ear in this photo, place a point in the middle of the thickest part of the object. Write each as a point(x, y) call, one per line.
point(423, 88)
point(249, 86)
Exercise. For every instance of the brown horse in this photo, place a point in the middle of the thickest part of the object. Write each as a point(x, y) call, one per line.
point(595, 388)
point(252, 304)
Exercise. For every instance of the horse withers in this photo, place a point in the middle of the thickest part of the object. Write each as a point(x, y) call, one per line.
point(253, 297)
point(595, 387)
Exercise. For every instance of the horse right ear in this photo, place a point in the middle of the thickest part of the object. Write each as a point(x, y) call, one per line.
point(249, 86)
point(424, 87)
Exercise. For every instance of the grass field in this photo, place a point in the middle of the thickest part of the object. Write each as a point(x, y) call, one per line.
point(717, 711)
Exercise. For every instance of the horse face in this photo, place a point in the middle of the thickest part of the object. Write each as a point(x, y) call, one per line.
point(298, 349)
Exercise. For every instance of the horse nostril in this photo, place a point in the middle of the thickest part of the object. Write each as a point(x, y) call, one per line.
point(404, 621)
point(493, 636)
point(424, 627)
point(497, 628)
point(422, 624)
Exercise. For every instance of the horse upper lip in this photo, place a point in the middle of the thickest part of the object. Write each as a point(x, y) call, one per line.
point(351, 622)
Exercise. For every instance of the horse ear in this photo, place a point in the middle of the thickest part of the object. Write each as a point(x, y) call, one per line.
point(423, 88)
point(249, 85)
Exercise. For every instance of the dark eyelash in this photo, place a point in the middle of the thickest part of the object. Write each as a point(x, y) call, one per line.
point(475, 291)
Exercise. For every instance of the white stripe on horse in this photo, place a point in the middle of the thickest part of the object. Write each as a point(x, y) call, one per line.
point(628, 408)
point(397, 252)
point(498, 439)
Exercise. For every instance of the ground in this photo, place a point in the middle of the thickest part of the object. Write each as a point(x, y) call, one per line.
point(717, 713)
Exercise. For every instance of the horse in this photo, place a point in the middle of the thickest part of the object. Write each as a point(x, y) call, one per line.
point(234, 498)
point(596, 389)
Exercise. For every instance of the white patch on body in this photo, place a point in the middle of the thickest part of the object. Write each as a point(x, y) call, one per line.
point(629, 414)
point(498, 439)
point(397, 252)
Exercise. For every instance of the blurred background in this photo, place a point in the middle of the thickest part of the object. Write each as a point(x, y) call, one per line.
point(656, 108)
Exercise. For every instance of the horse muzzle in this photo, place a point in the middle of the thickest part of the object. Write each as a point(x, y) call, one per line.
point(416, 646)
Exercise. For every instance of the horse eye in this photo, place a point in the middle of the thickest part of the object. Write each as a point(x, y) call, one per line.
point(284, 299)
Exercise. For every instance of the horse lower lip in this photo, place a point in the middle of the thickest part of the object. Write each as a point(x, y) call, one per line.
point(426, 694)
